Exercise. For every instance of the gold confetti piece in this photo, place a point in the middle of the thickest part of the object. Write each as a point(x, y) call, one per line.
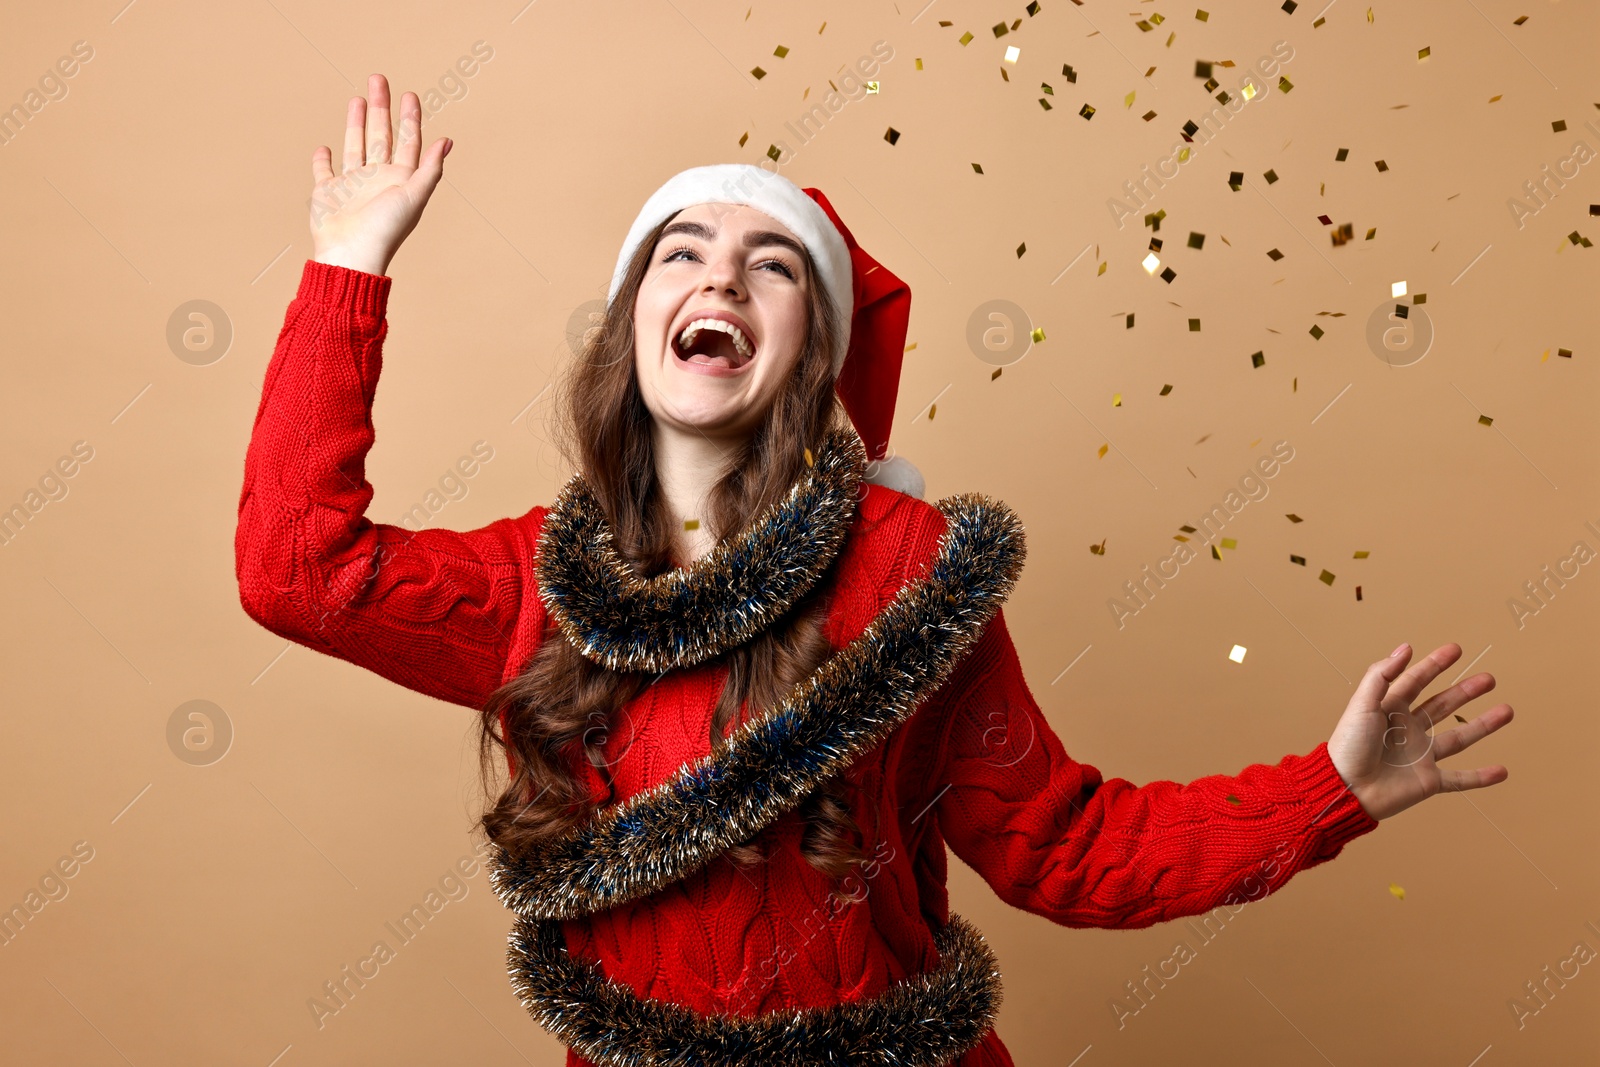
point(758, 72)
point(1231, 799)
point(1116, 400)
point(1103, 450)
point(1165, 389)
point(745, 138)
point(1257, 359)
point(1127, 101)
point(1298, 559)
point(1423, 53)
point(1130, 320)
point(1045, 87)
point(1361, 555)
point(1037, 334)
point(1148, 115)
point(1086, 111)
point(1194, 325)
point(1517, 22)
point(872, 87)
point(1033, 9)
point(1044, 103)
point(1013, 53)
point(691, 524)
point(1149, 72)
point(1102, 270)
point(996, 373)
point(1229, 542)
point(821, 28)
point(1295, 386)
point(1399, 893)
point(780, 51)
point(1397, 289)
point(1316, 332)
point(1188, 529)
point(1144, 25)
point(1559, 125)
point(1495, 97)
point(1292, 517)
point(911, 346)
point(966, 38)
point(1381, 165)
point(747, 14)
point(891, 135)
point(809, 461)
point(942, 22)
point(1326, 577)
point(1564, 353)
point(1458, 718)
point(1099, 549)
point(1372, 233)
point(1271, 176)
point(1068, 73)
point(1283, 83)
point(1202, 14)
point(1358, 592)
point(931, 409)
point(1545, 357)
point(1000, 30)
point(1238, 653)
point(1214, 553)
point(773, 152)
point(1157, 19)
point(1317, 23)
point(1485, 420)
point(1023, 247)
point(1196, 240)
point(919, 62)
point(1369, 14)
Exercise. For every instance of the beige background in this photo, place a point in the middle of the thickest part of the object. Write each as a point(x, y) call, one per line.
point(176, 168)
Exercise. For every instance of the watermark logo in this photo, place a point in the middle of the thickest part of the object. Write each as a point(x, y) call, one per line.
point(999, 332)
point(199, 332)
point(199, 732)
point(1399, 333)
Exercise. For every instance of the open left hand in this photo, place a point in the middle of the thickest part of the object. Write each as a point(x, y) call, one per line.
point(1381, 745)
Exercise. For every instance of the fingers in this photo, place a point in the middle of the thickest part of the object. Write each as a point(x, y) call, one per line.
point(380, 135)
point(1443, 703)
point(321, 164)
point(1423, 672)
point(1452, 741)
point(1370, 690)
point(408, 148)
point(354, 139)
point(1461, 781)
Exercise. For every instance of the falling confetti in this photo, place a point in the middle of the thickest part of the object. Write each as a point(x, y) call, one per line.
point(1238, 653)
point(1099, 549)
point(809, 461)
point(892, 135)
point(780, 51)
point(1399, 893)
point(1485, 420)
point(1326, 577)
point(1103, 450)
point(691, 524)
point(1231, 799)
point(1037, 335)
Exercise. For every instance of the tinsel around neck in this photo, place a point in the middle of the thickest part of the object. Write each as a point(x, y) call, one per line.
point(683, 617)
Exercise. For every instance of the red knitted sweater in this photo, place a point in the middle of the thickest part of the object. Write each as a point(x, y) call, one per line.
point(978, 767)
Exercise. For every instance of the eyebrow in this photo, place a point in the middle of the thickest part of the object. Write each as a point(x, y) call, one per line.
point(752, 238)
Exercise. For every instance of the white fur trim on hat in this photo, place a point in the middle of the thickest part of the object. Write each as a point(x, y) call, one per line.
point(742, 183)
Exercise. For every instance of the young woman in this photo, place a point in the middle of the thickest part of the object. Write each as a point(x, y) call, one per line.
point(747, 684)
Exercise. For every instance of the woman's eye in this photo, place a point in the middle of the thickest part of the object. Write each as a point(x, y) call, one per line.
point(778, 263)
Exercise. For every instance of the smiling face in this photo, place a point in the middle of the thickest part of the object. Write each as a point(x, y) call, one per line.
point(745, 271)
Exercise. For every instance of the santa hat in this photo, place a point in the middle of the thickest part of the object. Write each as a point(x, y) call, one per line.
point(873, 305)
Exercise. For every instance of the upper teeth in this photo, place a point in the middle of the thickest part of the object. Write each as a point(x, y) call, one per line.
point(740, 341)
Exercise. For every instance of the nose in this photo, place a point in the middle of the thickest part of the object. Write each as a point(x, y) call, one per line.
point(723, 274)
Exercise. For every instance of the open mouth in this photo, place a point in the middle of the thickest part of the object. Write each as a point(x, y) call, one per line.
point(714, 343)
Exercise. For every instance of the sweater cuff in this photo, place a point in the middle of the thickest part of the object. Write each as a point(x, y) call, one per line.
point(1337, 816)
point(354, 290)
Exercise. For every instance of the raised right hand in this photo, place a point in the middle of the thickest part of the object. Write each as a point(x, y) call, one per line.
point(360, 217)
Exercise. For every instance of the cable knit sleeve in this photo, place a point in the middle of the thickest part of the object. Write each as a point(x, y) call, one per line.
point(1051, 836)
point(433, 610)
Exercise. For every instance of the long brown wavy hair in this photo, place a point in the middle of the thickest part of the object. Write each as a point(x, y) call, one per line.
point(562, 706)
